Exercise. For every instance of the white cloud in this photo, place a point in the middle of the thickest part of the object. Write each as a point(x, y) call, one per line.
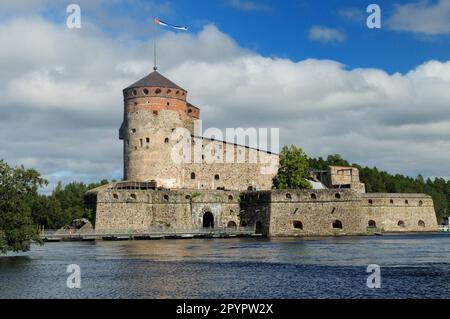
point(422, 17)
point(326, 35)
point(61, 103)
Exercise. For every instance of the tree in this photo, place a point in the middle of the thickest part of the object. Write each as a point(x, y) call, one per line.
point(18, 188)
point(294, 169)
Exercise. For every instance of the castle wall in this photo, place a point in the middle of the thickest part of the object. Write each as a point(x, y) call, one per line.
point(399, 212)
point(272, 213)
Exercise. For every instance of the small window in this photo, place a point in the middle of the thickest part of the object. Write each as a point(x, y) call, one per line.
point(421, 223)
point(297, 224)
point(168, 103)
point(372, 224)
point(230, 197)
point(401, 223)
point(134, 92)
point(145, 91)
point(157, 91)
point(370, 201)
point(166, 140)
point(189, 111)
point(406, 202)
point(169, 91)
point(288, 196)
point(147, 140)
point(337, 224)
point(231, 224)
point(177, 92)
point(166, 197)
point(140, 142)
point(133, 196)
point(420, 203)
point(313, 196)
point(155, 112)
point(192, 175)
point(115, 196)
point(216, 177)
point(391, 201)
point(133, 130)
point(188, 197)
point(337, 195)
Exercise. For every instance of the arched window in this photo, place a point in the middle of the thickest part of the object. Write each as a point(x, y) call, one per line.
point(313, 196)
point(157, 91)
point(406, 202)
point(166, 140)
point(192, 175)
point(230, 197)
point(190, 111)
point(145, 91)
point(401, 223)
point(166, 197)
point(370, 201)
point(337, 195)
point(337, 224)
point(115, 196)
point(288, 196)
point(133, 196)
point(188, 197)
point(216, 177)
point(421, 223)
point(372, 224)
point(420, 203)
point(297, 224)
point(391, 201)
point(231, 224)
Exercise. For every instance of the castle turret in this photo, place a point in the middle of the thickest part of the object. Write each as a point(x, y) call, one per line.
point(153, 107)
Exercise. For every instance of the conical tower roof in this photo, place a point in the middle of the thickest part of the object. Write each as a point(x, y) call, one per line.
point(155, 79)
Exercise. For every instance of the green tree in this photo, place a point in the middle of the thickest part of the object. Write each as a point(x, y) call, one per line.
point(293, 170)
point(18, 189)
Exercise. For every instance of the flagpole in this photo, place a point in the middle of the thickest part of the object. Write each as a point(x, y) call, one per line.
point(154, 46)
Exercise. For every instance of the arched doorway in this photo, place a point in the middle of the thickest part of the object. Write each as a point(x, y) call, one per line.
point(372, 224)
point(258, 228)
point(208, 220)
point(231, 224)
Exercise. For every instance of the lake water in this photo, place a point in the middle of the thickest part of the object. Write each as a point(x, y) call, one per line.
point(412, 266)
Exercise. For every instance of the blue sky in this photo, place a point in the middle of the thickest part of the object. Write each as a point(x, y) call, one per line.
point(281, 28)
point(312, 69)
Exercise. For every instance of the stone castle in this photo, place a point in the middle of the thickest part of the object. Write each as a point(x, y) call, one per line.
point(209, 192)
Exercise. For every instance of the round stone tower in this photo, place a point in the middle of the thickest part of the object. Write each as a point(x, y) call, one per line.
point(153, 108)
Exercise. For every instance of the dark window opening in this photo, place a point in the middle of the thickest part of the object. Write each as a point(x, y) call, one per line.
point(288, 196)
point(337, 195)
point(216, 177)
point(391, 201)
point(258, 227)
point(421, 223)
point(313, 196)
point(337, 224)
point(192, 175)
point(401, 223)
point(372, 224)
point(370, 201)
point(157, 91)
point(145, 91)
point(297, 224)
point(231, 224)
point(420, 203)
point(155, 112)
point(406, 202)
point(166, 197)
point(230, 197)
point(244, 224)
point(166, 140)
point(115, 196)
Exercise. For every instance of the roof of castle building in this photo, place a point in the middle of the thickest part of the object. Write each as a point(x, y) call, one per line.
point(155, 79)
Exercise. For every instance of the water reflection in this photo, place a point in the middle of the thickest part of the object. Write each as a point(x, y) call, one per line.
point(412, 265)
